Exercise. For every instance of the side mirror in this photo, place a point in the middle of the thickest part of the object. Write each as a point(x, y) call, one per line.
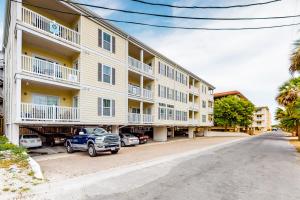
point(81, 133)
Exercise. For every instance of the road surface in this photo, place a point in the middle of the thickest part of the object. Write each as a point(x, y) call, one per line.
point(265, 167)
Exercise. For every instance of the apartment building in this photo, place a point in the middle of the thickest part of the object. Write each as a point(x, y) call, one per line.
point(262, 120)
point(67, 70)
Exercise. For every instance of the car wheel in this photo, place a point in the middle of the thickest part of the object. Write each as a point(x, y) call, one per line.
point(91, 150)
point(123, 144)
point(114, 152)
point(69, 148)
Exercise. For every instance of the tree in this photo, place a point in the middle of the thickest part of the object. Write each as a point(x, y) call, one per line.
point(233, 111)
point(289, 117)
point(295, 59)
point(289, 92)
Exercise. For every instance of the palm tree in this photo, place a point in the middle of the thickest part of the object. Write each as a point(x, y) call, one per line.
point(289, 92)
point(289, 118)
point(295, 62)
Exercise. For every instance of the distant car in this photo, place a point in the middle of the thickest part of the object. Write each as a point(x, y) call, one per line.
point(274, 129)
point(93, 140)
point(128, 139)
point(30, 141)
point(53, 139)
point(142, 137)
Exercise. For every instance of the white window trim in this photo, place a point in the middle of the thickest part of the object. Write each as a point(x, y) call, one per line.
point(103, 32)
point(110, 81)
point(110, 107)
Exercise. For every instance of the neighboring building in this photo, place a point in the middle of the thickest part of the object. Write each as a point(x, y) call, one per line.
point(262, 120)
point(226, 94)
point(229, 93)
point(69, 70)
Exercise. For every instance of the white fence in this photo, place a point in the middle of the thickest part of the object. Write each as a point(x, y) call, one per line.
point(40, 22)
point(38, 112)
point(49, 69)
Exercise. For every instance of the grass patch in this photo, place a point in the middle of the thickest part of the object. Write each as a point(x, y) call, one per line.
point(296, 144)
point(11, 154)
point(5, 189)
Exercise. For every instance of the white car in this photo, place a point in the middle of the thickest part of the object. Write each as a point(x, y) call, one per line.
point(128, 139)
point(30, 141)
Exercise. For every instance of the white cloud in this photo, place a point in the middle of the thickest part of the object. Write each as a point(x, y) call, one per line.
point(253, 62)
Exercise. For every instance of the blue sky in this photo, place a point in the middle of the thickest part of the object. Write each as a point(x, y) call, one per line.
point(253, 62)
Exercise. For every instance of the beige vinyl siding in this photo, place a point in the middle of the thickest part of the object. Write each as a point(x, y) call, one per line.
point(89, 39)
point(89, 107)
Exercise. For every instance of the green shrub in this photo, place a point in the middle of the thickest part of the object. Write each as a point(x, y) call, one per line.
point(3, 140)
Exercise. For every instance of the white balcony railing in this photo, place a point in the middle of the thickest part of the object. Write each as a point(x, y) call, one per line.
point(49, 69)
point(147, 119)
point(42, 23)
point(194, 90)
point(38, 112)
point(147, 94)
point(139, 66)
point(134, 90)
point(193, 121)
point(134, 118)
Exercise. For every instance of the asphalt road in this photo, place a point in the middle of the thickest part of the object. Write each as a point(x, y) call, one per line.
point(265, 167)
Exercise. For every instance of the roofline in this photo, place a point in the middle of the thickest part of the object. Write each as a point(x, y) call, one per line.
point(136, 41)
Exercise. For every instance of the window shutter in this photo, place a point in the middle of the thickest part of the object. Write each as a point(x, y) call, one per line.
point(113, 109)
point(113, 44)
point(99, 37)
point(159, 67)
point(113, 80)
point(99, 106)
point(158, 113)
point(99, 72)
point(159, 90)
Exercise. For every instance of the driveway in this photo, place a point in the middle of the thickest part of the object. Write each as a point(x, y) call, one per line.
point(64, 166)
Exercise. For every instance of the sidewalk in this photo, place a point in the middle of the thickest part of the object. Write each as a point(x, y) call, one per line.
point(65, 166)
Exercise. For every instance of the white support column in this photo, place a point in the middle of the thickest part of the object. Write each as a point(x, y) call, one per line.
point(115, 129)
point(142, 111)
point(18, 99)
point(19, 51)
point(160, 133)
point(191, 132)
point(142, 85)
point(142, 56)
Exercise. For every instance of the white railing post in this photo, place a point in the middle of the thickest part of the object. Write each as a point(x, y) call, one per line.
point(54, 113)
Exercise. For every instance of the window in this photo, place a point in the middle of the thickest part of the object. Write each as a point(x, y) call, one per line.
point(106, 41)
point(210, 104)
point(203, 118)
point(203, 104)
point(106, 107)
point(106, 74)
point(45, 100)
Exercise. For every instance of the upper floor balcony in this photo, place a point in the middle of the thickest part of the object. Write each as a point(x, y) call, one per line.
point(49, 26)
point(136, 91)
point(137, 65)
point(136, 118)
point(43, 68)
point(194, 90)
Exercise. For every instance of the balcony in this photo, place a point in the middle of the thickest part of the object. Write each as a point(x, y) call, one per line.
point(43, 68)
point(49, 26)
point(137, 65)
point(194, 90)
point(193, 121)
point(147, 119)
point(135, 91)
point(36, 112)
point(135, 118)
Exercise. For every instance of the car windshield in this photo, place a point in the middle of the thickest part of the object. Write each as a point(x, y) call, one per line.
point(30, 136)
point(96, 131)
point(128, 135)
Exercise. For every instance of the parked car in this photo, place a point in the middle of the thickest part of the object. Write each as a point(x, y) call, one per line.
point(128, 139)
point(142, 137)
point(93, 140)
point(30, 141)
point(53, 139)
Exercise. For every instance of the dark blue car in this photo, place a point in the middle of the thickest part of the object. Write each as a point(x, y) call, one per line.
point(93, 140)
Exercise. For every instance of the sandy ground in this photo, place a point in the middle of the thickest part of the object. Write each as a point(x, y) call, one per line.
point(64, 166)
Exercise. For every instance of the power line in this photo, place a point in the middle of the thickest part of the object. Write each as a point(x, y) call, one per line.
point(163, 26)
point(182, 17)
point(205, 7)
